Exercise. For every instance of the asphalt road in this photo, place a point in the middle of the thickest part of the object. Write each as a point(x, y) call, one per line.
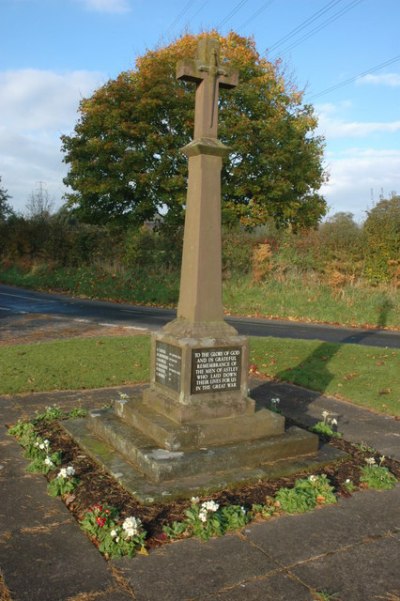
point(18, 301)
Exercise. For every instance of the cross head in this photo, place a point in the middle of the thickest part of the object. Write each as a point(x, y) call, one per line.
point(208, 74)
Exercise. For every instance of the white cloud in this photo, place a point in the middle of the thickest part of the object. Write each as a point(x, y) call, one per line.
point(36, 107)
point(358, 176)
point(384, 79)
point(332, 126)
point(31, 99)
point(107, 6)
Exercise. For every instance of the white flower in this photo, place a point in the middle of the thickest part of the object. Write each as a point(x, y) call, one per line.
point(42, 446)
point(243, 510)
point(62, 473)
point(312, 478)
point(381, 459)
point(370, 461)
point(48, 462)
point(36, 444)
point(195, 500)
point(325, 415)
point(347, 481)
point(131, 526)
point(70, 470)
point(114, 534)
point(276, 401)
point(203, 515)
point(334, 422)
point(210, 506)
point(123, 396)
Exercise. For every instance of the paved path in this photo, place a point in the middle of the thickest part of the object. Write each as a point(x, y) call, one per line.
point(351, 549)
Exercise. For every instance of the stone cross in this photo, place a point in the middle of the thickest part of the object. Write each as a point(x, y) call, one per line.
point(207, 73)
point(200, 298)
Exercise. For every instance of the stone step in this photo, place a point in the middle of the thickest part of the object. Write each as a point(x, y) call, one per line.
point(159, 464)
point(174, 436)
point(148, 491)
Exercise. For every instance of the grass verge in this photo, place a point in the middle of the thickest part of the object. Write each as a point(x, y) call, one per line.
point(364, 375)
point(298, 297)
point(74, 364)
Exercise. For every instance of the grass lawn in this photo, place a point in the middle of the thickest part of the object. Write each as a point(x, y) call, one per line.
point(74, 364)
point(365, 375)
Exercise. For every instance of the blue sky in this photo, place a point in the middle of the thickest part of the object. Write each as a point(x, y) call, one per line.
point(54, 52)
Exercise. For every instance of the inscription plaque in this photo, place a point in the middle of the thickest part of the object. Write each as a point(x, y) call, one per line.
point(168, 365)
point(216, 369)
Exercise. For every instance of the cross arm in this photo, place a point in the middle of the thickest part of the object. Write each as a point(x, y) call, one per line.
point(193, 70)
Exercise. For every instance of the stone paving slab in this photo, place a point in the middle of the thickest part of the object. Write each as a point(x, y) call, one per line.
point(281, 587)
point(295, 538)
point(367, 572)
point(191, 569)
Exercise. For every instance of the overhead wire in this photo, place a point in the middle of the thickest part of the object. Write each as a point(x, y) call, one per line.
point(322, 25)
point(180, 15)
point(305, 23)
point(355, 77)
point(199, 9)
point(232, 13)
point(256, 14)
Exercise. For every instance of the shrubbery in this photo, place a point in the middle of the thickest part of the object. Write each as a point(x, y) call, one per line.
point(339, 253)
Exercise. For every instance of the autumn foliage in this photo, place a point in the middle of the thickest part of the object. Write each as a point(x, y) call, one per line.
point(124, 157)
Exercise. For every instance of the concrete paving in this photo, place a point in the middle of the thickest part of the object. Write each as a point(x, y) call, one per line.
point(349, 551)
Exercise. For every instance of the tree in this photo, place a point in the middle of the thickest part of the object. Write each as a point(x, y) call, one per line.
point(39, 206)
point(125, 159)
point(382, 230)
point(6, 210)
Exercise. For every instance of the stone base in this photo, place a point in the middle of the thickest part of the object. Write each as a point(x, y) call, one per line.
point(187, 474)
point(161, 455)
point(151, 418)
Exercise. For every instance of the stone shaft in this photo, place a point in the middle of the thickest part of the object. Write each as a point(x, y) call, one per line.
point(200, 296)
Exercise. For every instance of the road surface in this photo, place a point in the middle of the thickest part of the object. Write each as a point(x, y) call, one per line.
point(16, 302)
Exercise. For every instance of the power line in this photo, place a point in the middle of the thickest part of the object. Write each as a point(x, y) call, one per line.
point(355, 77)
point(305, 23)
point(256, 14)
point(232, 13)
point(180, 15)
point(199, 9)
point(322, 25)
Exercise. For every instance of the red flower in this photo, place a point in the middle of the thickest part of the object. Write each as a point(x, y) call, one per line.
point(100, 521)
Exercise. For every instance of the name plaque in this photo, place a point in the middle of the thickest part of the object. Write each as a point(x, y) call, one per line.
point(216, 369)
point(168, 365)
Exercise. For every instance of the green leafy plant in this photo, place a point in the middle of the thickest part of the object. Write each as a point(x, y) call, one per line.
point(24, 432)
point(208, 519)
point(49, 414)
point(325, 596)
point(264, 511)
point(63, 483)
point(274, 405)
point(327, 427)
point(375, 475)
point(114, 539)
point(349, 485)
point(43, 460)
point(306, 494)
point(77, 412)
